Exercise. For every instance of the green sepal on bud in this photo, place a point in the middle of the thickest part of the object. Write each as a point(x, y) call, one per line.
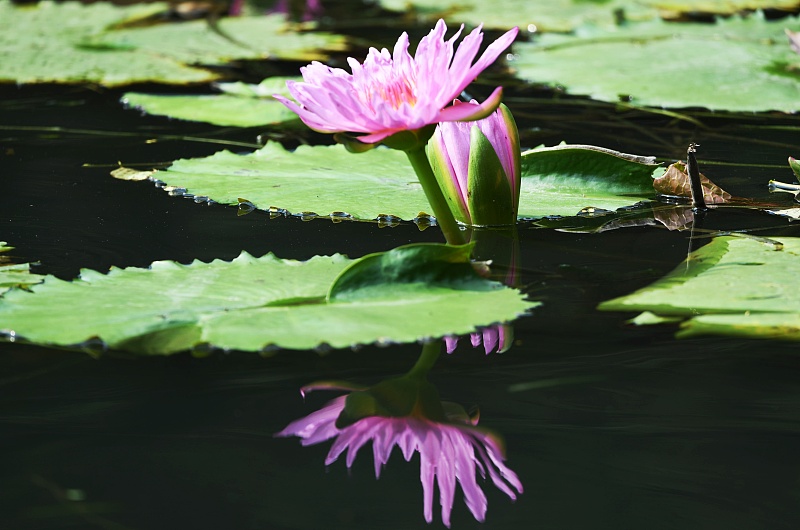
point(489, 196)
point(477, 167)
point(795, 165)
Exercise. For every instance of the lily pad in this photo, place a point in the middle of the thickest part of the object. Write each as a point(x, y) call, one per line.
point(404, 295)
point(553, 15)
point(673, 8)
point(738, 286)
point(241, 106)
point(739, 64)
point(328, 180)
point(69, 42)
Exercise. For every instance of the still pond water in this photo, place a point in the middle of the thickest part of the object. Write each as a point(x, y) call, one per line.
point(608, 427)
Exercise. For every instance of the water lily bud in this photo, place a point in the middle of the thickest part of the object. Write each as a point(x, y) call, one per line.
point(477, 166)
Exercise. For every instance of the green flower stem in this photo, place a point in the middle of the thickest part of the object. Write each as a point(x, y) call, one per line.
point(428, 357)
point(441, 210)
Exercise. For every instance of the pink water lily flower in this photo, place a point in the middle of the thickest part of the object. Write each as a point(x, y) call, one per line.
point(452, 450)
point(393, 92)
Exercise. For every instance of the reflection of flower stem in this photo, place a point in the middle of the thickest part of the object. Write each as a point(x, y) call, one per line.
point(444, 218)
point(428, 357)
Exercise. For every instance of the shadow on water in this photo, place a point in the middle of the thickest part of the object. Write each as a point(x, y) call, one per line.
point(607, 426)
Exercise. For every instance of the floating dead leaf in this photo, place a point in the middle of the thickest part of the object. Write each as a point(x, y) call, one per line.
point(675, 183)
point(126, 173)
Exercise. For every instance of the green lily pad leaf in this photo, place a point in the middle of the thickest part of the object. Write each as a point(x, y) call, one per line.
point(328, 180)
point(568, 179)
point(408, 294)
point(69, 42)
point(241, 105)
point(675, 8)
point(739, 64)
point(733, 286)
point(553, 15)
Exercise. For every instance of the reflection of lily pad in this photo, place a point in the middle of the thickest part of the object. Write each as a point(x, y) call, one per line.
point(732, 286)
point(241, 105)
point(71, 42)
point(404, 295)
point(325, 179)
point(15, 274)
point(737, 64)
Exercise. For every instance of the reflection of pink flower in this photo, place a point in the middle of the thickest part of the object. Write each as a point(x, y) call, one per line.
point(392, 92)
point(449, 452)
point(496, 338)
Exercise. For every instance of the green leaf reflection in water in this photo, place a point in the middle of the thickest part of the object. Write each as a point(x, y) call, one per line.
point(408, 294)
point(739, 286)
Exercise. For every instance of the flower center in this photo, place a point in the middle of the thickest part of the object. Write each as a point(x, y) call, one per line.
point(398, 92)
point(388, 84)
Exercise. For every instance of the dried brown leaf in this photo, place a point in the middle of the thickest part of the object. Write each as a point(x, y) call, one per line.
point(675, 183)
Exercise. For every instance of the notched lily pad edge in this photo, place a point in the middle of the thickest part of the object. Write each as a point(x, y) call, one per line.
point(97, 347)
point(423, 220)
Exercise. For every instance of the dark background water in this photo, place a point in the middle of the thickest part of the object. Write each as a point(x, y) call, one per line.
point(607, 426)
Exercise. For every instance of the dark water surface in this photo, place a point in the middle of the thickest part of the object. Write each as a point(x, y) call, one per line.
point(608, 427)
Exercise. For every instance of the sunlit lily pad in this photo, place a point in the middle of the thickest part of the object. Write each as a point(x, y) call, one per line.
point(553, 15)
point(732, 286)
point(718, 7)
point(736, 64)
point(404, 295)
point(71, 42)
point(240, 105)
point(326, 179)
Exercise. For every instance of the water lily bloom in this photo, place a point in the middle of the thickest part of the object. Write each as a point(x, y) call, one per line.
point(394, 92)
point(477, 165)
point(406, 412)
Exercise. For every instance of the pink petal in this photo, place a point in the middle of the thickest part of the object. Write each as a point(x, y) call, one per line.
point(491, 54)
point(471, 112)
